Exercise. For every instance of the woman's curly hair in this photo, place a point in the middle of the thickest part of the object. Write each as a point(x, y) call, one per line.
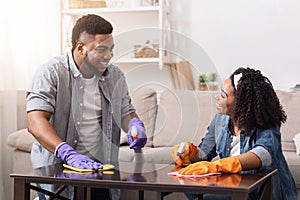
point(256, 102)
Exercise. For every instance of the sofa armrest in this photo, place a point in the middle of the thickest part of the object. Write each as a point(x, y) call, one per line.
point(21, 140)
point(297, 143)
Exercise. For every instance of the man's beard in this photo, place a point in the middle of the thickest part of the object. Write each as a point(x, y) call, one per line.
point(91, 67)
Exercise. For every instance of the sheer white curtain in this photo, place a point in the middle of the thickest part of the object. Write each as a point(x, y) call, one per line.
point(29, 36)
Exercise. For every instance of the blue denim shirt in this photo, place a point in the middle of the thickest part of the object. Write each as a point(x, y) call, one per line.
point(58, 86)
point(265, 143)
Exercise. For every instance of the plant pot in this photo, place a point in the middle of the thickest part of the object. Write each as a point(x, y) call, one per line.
point(202, 86)
point(213, 86)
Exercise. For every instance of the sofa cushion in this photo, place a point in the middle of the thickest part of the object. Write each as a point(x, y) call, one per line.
point(183, 115)
point(144, 100)
point(125, 154)
point(21, 140)
point(290, 103)
point(158, 155)
point(150, 154)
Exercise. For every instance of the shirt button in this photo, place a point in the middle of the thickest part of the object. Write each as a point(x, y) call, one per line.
point(75, 141)
point(81, 87)
point(78, 123)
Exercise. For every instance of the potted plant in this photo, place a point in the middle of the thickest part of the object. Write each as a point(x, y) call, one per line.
point(202, 82)
point(213, 81)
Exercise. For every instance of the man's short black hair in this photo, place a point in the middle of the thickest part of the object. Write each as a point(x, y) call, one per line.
point(90, 24)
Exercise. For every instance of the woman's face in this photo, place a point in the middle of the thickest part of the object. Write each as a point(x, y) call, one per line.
point(225, 100)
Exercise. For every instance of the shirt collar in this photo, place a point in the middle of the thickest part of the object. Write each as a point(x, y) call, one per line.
point(73, 66)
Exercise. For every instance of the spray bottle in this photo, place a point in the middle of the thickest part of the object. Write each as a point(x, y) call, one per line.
point(180, 151)
point(138, 153)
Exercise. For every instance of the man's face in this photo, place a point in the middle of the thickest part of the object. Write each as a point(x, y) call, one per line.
point(99, 51)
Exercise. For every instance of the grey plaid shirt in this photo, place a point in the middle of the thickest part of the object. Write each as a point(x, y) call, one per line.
point(57, 87)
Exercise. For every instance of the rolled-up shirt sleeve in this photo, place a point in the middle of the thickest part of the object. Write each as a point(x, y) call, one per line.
point(266, 145)
point(263, 155)
point(41, 93)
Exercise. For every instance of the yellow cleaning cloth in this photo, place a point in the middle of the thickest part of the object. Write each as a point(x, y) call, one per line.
point(78, 172)
point(105, 167)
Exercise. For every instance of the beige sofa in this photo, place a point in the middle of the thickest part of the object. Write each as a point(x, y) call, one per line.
point(171, 117)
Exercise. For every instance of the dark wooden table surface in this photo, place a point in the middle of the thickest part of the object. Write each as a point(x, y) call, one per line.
point(141, 177)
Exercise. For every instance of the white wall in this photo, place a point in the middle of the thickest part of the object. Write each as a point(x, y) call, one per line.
point(264, 34)
point(33, 37)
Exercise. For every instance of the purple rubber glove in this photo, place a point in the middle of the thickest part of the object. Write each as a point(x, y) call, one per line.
point(66, 153)
point(141, 137)
point(136, 178)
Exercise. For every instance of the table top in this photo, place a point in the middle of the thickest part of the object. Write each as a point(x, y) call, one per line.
point(145, 176)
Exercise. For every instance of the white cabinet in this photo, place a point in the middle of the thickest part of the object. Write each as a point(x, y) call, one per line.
point(132, 25)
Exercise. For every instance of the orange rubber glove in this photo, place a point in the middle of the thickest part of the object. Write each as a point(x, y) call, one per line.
point(186, 156)
point(227, 165)
point(228, 180)
point(231, 180)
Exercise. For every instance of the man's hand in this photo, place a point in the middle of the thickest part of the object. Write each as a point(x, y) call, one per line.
point(66, 153)
point(136, 136)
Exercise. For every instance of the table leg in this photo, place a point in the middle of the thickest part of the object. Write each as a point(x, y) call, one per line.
point(79, 192)
point(141, 195)
point(239, 196)
point(88, 193)
point(159, 196)
point(21, 189)
point(200, 196)
point(163, 194)
point(266, 190)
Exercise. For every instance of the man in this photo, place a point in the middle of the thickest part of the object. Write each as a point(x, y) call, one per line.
point(78, 102)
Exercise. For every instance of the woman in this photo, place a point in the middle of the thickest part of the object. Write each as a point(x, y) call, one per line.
point(245, 134)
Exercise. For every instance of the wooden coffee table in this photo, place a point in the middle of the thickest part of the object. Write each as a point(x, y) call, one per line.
point(141, 177)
